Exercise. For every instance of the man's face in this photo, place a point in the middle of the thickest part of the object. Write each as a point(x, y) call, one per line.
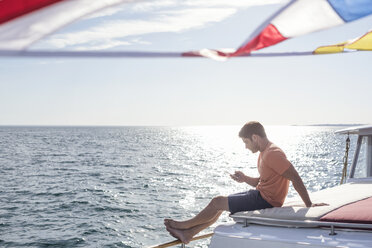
point(250, 144)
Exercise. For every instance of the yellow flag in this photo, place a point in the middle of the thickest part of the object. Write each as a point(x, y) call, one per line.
point(363, 43)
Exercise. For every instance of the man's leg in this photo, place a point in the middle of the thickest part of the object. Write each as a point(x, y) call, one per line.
point(186, 235)
point(209, 213)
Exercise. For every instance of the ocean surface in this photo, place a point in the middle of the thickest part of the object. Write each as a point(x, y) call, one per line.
point(113, 186)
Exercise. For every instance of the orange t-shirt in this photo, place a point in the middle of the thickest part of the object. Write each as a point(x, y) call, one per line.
point(272, 163)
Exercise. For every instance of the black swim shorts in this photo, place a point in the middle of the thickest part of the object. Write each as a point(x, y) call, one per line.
point(247, 201)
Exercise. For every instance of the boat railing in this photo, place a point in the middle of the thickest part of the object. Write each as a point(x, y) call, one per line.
point(246, 220)
point(179, 242)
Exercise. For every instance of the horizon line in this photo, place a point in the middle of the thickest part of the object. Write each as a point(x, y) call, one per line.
point(190, 125)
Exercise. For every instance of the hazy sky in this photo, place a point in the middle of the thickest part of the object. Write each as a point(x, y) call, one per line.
point(186, 91)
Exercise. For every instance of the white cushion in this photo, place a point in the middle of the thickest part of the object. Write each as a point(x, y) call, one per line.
point(336, 197)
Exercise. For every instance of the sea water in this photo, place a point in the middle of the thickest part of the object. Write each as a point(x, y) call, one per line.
point(113, 186)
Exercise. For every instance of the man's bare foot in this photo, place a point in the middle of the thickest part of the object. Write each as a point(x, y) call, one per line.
point(174, 224)
point(171, 233)
point(182, 235)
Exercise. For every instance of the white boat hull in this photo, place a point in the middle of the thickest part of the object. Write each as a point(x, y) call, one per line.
point(258, 236)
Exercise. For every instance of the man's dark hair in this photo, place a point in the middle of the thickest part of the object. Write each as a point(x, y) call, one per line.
point(250, 128)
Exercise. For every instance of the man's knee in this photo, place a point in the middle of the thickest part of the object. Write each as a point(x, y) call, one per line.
point(220, 203)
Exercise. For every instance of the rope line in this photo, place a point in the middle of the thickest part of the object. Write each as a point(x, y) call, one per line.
point(346, 156)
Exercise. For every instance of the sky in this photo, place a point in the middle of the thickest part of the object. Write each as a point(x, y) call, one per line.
point(299, 90)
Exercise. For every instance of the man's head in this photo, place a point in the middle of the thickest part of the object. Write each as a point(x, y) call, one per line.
point(252, 133)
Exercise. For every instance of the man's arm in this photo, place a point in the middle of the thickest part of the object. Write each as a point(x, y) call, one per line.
point(292, 175)
point(240, 177)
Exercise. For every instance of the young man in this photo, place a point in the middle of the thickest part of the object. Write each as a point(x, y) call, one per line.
point(271, 187)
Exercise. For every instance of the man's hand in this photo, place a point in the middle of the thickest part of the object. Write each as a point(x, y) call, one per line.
point(238, 176)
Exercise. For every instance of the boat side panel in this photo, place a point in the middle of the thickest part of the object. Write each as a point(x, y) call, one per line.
point(238, 236)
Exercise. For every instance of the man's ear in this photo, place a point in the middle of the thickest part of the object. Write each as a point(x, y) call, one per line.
point(254, 138)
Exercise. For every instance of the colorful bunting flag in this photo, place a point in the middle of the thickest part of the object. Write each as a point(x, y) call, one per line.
point(306, 16)
point(23, 22)
point(363, 43)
